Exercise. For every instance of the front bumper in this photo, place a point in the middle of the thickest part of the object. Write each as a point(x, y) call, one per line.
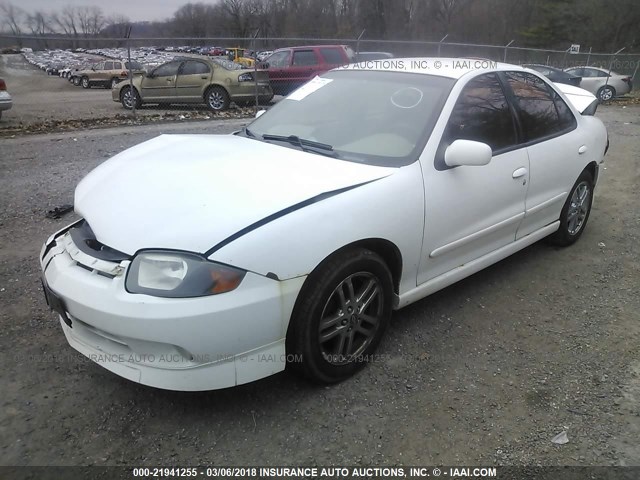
point(191, 344)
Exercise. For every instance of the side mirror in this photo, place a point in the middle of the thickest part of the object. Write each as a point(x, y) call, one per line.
point(259, 113)
point(467, 153)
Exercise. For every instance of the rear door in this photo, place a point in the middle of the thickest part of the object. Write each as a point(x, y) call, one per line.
point(304, 65)
point(104, 75)
point(161, 86)
point(193, 78)
point(554, 144)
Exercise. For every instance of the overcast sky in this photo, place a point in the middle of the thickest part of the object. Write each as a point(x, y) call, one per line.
point(135, 10)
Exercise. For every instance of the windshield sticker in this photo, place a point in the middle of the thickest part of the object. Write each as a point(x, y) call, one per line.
point(308, 88)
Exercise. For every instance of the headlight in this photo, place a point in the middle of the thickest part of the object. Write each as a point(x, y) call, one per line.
point(180, 275)
point(246, 77)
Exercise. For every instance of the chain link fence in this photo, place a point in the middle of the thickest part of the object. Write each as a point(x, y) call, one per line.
point(152, 52)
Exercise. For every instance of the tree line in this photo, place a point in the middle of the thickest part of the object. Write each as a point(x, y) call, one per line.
point(605, 25)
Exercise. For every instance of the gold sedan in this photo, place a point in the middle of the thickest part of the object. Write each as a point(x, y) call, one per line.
point(214, 82)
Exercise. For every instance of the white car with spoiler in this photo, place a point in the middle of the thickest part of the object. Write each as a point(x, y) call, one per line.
point(208, 261)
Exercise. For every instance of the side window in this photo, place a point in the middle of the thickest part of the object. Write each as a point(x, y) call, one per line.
point(542, 111)
point(279, 59)
point(303, 58)
point(117, 65)
point(194, 68)
point(592, 72)
point(576, 71)
point(332, 56)
point(482, 114)
point(567, 120)
point(167, 70)
point(108, 65)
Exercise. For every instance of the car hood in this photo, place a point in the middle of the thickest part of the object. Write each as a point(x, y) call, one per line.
point(191, 192)
point(579, 97)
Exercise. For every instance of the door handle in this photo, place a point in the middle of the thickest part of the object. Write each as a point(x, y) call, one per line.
point(520, 172)
point(169, 79)
point(582, 150)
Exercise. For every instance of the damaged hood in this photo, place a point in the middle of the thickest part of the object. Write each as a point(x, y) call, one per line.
point(190, 192)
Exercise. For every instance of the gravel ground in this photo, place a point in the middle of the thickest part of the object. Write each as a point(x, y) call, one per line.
point(484, 372)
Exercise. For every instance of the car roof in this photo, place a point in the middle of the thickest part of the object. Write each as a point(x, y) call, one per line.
point(454, 68)
point(306, 47)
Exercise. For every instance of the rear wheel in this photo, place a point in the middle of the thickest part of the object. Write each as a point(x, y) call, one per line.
point(85, 83)
point(576, 211)
point(76, 81)
point(129, 99)
point(340, 316)
point(606, 93)
point(217, 99)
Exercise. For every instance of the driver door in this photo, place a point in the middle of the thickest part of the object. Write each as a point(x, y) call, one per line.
point(161, 85)
point(471, 211)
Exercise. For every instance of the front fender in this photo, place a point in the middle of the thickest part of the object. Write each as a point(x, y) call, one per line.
point(391, 208)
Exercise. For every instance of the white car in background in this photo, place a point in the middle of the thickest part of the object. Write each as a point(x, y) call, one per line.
point(603, 84)
point(6, 102)
point(208, 261)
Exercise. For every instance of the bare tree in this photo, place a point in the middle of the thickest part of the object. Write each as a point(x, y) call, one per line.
point(90, 19)
point(14, 18)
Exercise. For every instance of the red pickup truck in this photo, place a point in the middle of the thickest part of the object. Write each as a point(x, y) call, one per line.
point(289, 68)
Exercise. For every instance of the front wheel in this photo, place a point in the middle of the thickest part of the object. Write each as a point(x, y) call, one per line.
point(85, 82)
point(130, 100)
point(606, 93)
point(217, 99)
point(576, 211)
point(76, 81)
point(340, 316)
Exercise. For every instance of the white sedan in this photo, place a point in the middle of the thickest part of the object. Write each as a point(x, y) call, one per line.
point(208, 261)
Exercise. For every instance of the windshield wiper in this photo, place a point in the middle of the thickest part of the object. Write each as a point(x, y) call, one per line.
point(303, 144)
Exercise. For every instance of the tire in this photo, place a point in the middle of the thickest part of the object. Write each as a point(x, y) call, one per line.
point(126, 99)
point(85, 82)
point(76, 81)
point(606, 93)
point(217, 99)
point(352, 323)
point(575, 212)
point(114, 82)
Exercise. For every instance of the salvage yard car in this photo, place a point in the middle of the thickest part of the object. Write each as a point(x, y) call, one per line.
point(214, 81)
point(208, 261)
point(107, 74)
point(6, 102)
point(603, 84)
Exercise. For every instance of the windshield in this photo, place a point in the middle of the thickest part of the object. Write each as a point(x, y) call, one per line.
point(380, 118)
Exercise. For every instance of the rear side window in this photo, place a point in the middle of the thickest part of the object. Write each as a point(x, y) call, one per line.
point(117, 65)
point(108, 65)
point(302, 58)
point(542, 112)
point(482, 114)
point(194, 68)
point(331, 56)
